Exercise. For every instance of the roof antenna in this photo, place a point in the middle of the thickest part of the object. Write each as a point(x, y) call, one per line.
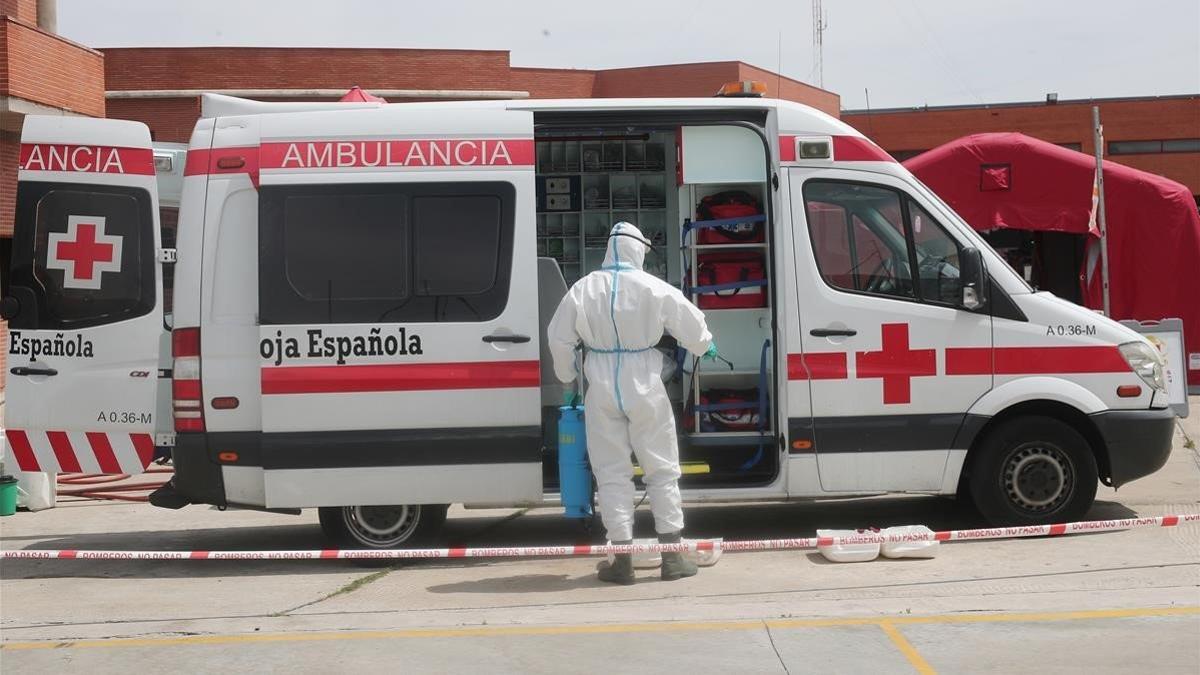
point(820, 23)
point(779, 67)
point(870, 126)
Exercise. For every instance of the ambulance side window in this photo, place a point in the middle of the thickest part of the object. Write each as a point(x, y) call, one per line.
point(374, 253)
point(84, 255)
point(937, 257)
point(858, 237)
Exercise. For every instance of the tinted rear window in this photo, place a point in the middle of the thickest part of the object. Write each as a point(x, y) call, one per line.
point(83, 255)
point(393, 252)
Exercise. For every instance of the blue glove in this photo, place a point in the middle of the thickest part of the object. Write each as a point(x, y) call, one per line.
point(711, 354)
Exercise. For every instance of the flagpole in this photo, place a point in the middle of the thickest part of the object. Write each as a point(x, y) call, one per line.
point(1098, 141)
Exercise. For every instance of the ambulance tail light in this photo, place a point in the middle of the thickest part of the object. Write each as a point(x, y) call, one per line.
point(185, 387)
point(1147, 362)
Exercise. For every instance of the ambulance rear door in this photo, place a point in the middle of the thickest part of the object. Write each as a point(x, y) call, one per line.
point(85, 305)
point(398, 307)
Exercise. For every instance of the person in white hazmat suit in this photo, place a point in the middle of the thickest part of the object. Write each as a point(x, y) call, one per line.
point(619, 313)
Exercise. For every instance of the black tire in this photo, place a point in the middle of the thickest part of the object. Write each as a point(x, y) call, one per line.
point(1033, 471)
point(400, 526)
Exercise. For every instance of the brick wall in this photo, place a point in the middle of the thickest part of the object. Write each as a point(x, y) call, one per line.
point(49, 70)
point(688, 79)
point(284, 68)
point(793, 90)
point(10, 149)
point(553, 82)
point(169, 119)
point(21, 10)
point(1066, 122)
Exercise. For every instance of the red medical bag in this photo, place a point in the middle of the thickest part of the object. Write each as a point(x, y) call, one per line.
point(731, 267)
point(731, 418)
point(725, 205)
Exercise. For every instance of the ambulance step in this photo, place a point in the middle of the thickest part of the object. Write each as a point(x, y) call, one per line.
point(688, 468)
point(728, 438)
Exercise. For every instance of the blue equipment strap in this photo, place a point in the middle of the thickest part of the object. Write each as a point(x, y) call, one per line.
point(762, 406)
point(713, 288)
point(716, 407)
point(721, 222)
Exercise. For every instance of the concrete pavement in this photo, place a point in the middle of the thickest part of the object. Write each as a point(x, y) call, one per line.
point(1106, 603)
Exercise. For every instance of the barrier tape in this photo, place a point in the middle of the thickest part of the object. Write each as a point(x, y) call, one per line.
point(606, 549)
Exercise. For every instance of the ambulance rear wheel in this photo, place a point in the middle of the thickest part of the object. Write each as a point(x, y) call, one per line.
point(398, 526)
point(1033, 471)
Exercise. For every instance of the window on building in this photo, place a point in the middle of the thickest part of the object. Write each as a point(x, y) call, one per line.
point(868, 239)
point(1077, 147)
point(903, 155)
point(1134, 147)
point(1182, 145)
point(385, 253)
point(1154, 147)
point(87, 255)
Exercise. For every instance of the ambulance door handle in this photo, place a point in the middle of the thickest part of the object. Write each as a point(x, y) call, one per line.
point(23, 370)
point(833, 332)
point(517, 339)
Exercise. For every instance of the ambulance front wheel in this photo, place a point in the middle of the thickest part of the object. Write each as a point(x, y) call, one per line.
point(1033, 470)
point(398, 526)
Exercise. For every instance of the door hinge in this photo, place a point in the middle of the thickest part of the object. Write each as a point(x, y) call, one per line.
point(775, 180)
point(166, 256)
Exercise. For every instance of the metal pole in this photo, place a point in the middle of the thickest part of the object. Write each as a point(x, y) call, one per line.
point(1098, 140)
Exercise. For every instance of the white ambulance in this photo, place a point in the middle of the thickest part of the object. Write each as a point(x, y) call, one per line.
point(361, 293)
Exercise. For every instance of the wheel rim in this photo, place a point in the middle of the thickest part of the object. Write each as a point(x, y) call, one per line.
point(382, 526)
point(1038, 478)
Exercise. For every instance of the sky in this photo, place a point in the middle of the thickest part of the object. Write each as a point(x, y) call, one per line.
point(900, 53)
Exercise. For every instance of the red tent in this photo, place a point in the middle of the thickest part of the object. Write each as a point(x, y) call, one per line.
point(357, 95)
point(1013, 181)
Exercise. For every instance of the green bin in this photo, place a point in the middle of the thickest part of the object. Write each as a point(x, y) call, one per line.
point(8, 495)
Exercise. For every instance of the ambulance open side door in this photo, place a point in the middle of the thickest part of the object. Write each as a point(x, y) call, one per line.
point(85, 302)
point(398, 308)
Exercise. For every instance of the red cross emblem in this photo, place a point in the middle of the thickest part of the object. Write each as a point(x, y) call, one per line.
point(84, 253)
point(896, 364)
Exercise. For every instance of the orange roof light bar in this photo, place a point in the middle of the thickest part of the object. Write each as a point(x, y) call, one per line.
point(743, 89)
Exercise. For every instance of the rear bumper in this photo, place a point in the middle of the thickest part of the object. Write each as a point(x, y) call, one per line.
point(1138, 441)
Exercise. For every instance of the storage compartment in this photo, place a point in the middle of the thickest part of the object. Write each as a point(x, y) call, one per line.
point(729, 412)
point(724, 410)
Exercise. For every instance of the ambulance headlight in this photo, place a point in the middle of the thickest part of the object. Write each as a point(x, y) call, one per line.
point(1146, 362)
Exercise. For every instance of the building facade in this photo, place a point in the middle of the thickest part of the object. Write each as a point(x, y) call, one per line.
point(1159, 134)
point(161, 86)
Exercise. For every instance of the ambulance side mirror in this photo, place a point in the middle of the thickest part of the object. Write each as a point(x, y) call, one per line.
point(974, 279)
point(10, 307)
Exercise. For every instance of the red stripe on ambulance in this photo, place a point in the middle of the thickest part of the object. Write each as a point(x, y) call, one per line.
point(1034, 360)
point(67, 462)
point(104, 453)
point(86, 159)
point(817, 366)
point(979, 361)
point(400, 377)
point(391, 153)
point(63, 452)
